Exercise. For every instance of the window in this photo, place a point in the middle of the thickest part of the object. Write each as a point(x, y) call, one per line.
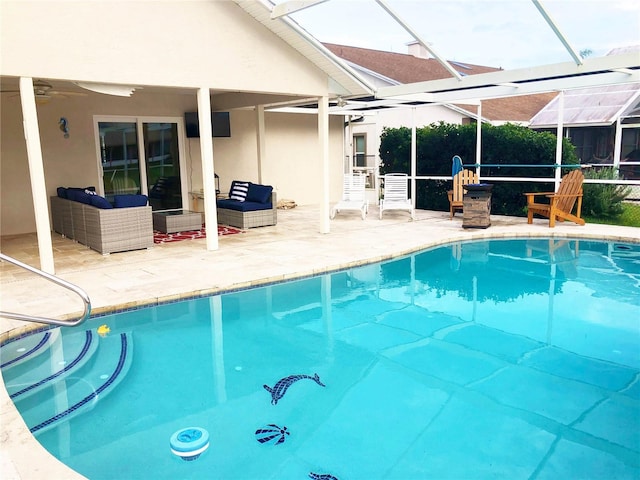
point(361, 162)
point(359, 151)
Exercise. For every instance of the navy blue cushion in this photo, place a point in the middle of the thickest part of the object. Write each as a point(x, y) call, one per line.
point(84, 197)
point(82, 189)
point(72, 194)
point(79, 196)
point(242, 206)
point(259, 193)
point(100, 202)
point(123, 201)
point(62, 192)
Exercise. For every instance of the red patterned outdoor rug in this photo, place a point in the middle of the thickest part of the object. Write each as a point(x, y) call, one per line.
point(159, 237)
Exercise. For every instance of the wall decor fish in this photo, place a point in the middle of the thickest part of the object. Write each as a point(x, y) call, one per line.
point(280, 388)
point(321, 476)
point(271, 434)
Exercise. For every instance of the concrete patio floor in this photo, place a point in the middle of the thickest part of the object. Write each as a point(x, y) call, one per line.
point(293, 248)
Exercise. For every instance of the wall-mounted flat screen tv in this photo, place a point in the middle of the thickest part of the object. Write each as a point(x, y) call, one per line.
point(220, 124)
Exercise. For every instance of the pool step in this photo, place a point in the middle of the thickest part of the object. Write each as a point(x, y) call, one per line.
point(33, 373)
point(91, 368)
point(16, 351)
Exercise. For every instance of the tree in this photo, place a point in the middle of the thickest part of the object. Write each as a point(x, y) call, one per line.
point(587, 52)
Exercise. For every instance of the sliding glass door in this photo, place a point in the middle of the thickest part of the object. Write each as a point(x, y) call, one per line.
point(158, 174)
point(162, 163)
point(119, 154)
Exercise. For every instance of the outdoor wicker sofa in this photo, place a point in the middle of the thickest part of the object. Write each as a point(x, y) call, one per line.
point(249, 205)
point(106, 230)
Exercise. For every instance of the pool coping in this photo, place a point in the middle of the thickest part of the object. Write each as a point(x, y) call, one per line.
point(259, 282)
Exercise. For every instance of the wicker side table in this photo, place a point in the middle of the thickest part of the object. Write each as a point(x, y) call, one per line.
point(177, 221)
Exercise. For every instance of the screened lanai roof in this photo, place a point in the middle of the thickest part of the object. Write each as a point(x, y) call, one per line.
point(596, 106)
point(619, 68)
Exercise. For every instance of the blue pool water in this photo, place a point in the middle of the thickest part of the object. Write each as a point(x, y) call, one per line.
point(515, 359)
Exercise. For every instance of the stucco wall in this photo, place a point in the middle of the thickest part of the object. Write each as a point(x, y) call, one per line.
point(170, 43)
point(291, 164)
point(291, 161)
point(156, 46)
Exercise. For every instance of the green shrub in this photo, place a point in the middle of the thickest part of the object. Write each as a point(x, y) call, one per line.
point(630, 216)
point(603, 201)
point(508, 147)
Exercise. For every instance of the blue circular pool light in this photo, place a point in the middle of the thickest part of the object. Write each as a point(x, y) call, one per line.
point(188, 443)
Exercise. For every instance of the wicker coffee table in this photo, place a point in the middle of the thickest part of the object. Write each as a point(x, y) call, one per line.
point(177, 221)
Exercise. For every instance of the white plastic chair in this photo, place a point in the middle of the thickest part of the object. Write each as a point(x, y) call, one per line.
point(353, 196)
point(396, 194)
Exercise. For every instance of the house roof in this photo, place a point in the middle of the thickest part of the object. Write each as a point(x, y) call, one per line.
point(406, 68)
point(591, 106)
point(402, 67)
point(513, 109)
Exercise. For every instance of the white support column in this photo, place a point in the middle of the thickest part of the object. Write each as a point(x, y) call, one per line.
point(479, 139)
point(349, 147)
point(414, 155)
point(208, 176)
point(260, 139)
point(559, 135)
point(36, 173)
point(617, 144)
point(378, 189)
point(323, 144)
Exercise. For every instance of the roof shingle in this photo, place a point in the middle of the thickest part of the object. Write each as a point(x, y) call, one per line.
point(405, 68)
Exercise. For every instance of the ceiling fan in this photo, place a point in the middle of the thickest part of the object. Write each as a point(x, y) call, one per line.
point(44, 92)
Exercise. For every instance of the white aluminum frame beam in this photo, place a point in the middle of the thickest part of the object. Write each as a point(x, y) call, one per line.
point(575, 55)
point(608, 70)
point(417, 37)
point(292, 6)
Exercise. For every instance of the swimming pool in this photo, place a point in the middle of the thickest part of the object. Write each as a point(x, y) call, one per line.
point(508, 359)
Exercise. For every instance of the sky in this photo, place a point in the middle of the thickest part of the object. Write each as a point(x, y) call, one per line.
point(499, 33)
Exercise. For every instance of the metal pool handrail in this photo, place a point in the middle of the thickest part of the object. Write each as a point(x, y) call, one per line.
point(58, 281)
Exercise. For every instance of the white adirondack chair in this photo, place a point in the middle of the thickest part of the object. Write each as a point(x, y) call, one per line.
point(353, 196)
point(396, 194)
